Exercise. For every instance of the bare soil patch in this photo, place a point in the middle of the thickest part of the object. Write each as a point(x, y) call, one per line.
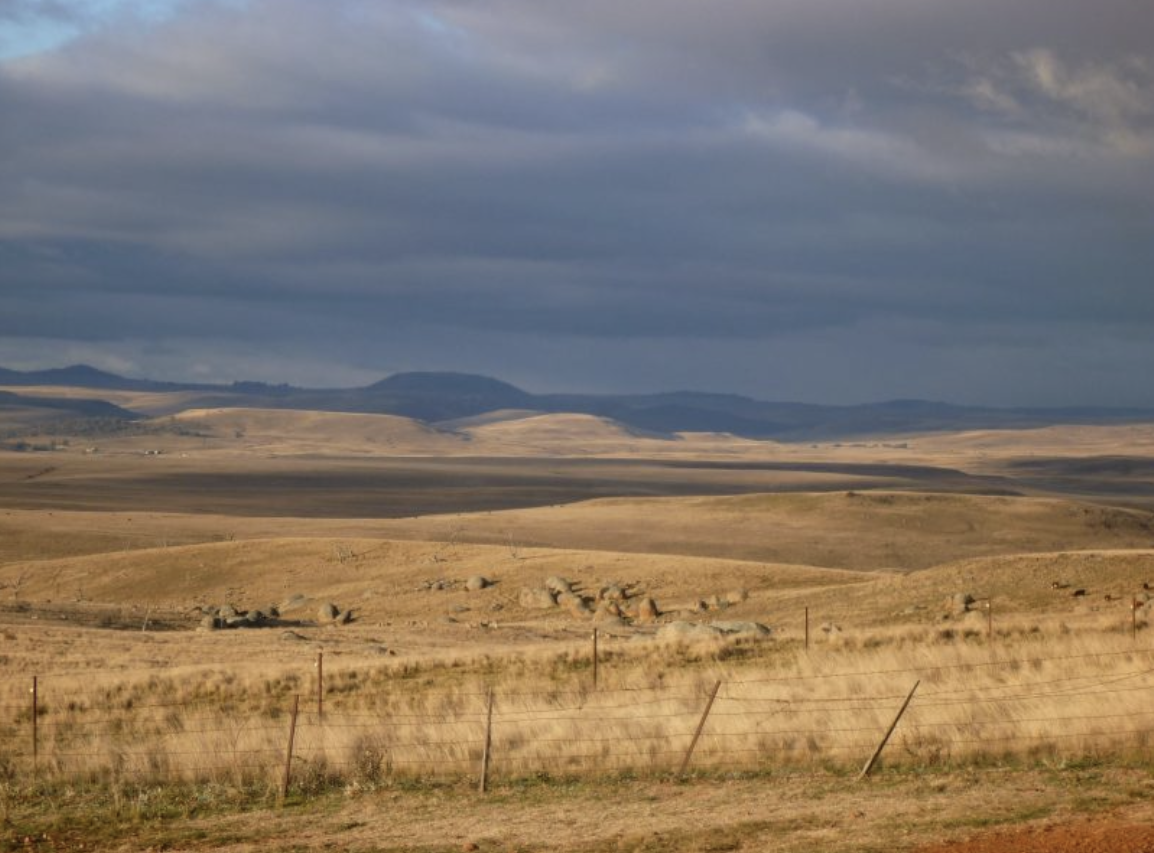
point(1098, 835)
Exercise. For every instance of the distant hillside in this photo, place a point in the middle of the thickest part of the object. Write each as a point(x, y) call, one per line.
point(64, 407)
point(23, 415)
point(449, 397)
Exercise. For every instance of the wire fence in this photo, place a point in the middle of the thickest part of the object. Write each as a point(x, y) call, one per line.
point(1037, 708)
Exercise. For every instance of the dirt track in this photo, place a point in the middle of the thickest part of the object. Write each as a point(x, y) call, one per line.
point(1086, 836)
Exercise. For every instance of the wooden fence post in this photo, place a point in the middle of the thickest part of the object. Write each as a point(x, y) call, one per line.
point(594, 658)
point(35, 723)
point(288, 759)
point(320, 686)
point(700, 726)
point(484, 786)
point(869, 765)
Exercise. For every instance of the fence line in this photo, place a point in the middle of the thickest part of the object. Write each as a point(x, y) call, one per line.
point(778, 722)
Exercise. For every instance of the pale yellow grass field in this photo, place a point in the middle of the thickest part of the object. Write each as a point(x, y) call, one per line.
point(860, 531)
point(1046, 700)
point(1059, 681)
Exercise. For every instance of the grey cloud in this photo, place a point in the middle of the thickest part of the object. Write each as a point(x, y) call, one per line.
point(468, 184)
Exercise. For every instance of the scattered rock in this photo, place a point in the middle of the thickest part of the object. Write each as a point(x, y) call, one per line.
point(209, 623)
point(830, 628)
point(227, 612)
point(716, 602)
point(344, 617)
point(536, 598)
point(736, 596)
point(647, 610)
point(558, 586)
point(328, 612)
point(959, 603)
point(291, 637)
point(696, 606)
point(477, 583)
point(686, 631)
point(608, 609)
point(575, 604)
point(294, 602)
point(612, 592)
point(744, 629)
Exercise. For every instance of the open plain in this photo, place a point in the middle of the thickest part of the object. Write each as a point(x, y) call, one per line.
point(169, 589)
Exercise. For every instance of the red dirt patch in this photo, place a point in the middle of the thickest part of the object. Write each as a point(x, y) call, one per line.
point(1077, 837)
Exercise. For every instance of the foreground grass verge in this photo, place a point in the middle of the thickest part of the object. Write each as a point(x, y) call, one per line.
point(771, 708)
point(708, 812)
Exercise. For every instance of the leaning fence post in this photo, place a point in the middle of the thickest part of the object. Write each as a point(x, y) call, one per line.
point(869, 765)
point(700, 726)
point(288, 759)
point(488, 744)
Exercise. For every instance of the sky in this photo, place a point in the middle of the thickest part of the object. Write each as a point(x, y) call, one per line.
point(836, 201)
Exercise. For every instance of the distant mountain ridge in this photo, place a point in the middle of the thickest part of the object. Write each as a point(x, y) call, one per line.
point(436, 397)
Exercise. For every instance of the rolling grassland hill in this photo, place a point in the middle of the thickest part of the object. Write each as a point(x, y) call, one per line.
point(281, 432)
point(889, 531)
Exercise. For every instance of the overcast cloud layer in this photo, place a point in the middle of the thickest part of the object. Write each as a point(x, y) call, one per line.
point(821, 200)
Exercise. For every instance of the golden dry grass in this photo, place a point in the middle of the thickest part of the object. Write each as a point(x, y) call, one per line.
point(1059, 684)
point(1041, 700)
point(874, 530)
